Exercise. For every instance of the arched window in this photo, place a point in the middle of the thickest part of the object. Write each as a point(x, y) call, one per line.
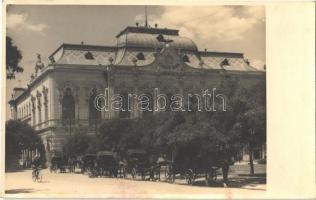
point(125, 113)
point(45, 94)
point(194, 102)
point(94, 114)
point(68, 107)
point(33, 117)
point(46, 111)
point(33, 109)
point(148, 112)
point(48, 142)
point(39, 109)
point(168, 102)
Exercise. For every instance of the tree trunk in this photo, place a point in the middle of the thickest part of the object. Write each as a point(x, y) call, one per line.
point(252, 171)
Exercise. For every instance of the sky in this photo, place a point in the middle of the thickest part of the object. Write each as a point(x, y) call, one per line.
point(42, 29)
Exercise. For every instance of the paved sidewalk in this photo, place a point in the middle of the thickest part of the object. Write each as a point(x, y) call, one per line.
point(20, 184)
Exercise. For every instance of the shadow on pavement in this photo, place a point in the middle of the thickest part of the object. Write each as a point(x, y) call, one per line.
point(44, 182)
point(255, 175)
point(14, 170)
point(17, 191)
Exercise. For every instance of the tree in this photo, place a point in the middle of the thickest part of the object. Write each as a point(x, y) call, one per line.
point(13, 58)
point(158, 129)
point(113, 132)
point(246, 116)
point(253, 121)
point(18, 136)
point(205, 137)
point(220, 133)
point(76, 144)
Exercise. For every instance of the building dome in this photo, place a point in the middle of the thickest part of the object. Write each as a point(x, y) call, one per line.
point(148, 39)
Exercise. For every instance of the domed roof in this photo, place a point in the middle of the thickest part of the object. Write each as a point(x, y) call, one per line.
point(148, 39)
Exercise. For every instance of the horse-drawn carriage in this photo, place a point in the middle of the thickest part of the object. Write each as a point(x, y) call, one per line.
point(61, 163)
point(88, 164)
point(58, 163)
point(107, 164)
point(137, 162)
point(193, 165)
point(55, 164)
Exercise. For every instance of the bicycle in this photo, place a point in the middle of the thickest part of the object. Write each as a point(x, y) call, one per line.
point(36, 175)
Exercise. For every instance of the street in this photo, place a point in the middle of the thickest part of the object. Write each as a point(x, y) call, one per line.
point(20, 184)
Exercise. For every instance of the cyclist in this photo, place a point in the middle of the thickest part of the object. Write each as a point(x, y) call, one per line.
point(35, 165)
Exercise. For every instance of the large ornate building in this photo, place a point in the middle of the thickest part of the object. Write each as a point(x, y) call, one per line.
point(59, 99)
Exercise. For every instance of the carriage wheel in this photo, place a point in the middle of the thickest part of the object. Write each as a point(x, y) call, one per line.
point(189, 176)
point(134, 173)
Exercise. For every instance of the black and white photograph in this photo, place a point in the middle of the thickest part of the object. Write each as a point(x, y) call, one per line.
point(135, 101)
